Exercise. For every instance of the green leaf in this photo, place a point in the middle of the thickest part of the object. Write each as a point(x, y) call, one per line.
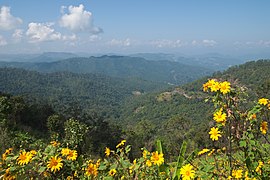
point(243, 144)
point(159, 146)
point(42, 169)
point(180, 160)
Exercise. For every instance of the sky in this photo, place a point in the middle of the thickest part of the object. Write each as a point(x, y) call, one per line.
point(138, 26)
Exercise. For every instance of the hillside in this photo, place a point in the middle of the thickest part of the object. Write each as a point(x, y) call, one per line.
point(64, 89)
point(121, 66)
point(188, 100)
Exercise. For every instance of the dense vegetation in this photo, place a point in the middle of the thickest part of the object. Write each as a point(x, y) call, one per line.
point(121, 66)
point(63, 90)
point(239, 149)
point(173, 116)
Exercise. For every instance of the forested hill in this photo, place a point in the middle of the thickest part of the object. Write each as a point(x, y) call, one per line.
point(63, 89)
point(188, 100)
point(121, 66)
point(254, 75)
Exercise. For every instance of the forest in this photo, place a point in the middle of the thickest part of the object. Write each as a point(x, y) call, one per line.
point(89, 114)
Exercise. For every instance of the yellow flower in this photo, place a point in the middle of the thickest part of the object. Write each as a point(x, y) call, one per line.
point(253, 116)
point(237, 173)
point(214, 134)
point(258, 168)
point(33, 152)
point(148, 163)
point(6, 153)
point(220, 117)
point(203, 151)
point(212, 152)
point(55, 164)
point(215, 87)
point(187, 172)
point(145, 153)
point(263, 101)
point(264, 127)
point(24, 158)
point(55, 143)
point(112, 172)
point(65, 151)
point(122, 143)
point(107, 151)
point(157, 159)
point(98, 162)
point(225, 87)
point(8, 176)
point(91, 170)
point(72, 155)
point(209, 84)
point(205, 87)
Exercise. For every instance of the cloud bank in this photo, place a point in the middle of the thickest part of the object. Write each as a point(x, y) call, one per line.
point(7, 21)
point(39, 32)
point(78, 20)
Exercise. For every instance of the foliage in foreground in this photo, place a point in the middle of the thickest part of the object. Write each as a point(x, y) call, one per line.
point(240, 150)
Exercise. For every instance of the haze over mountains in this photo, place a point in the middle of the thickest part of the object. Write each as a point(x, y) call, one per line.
point(157, 67)
point(164, 71)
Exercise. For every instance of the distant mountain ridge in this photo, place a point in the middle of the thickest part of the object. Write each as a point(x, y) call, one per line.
point(120, 66)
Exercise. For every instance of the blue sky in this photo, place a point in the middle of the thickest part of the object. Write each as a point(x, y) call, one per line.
point(125, 26)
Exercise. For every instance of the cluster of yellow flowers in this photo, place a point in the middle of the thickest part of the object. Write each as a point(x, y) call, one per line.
point(264, 124)
point(215, 86)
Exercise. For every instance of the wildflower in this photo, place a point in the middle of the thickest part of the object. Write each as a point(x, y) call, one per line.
point(211, 152)
point(33, 152)
point(91, 170)
point(215, 87)
point(55, 143)
point(122, 143)
point(112, 172)
point(258, 168)
point(205, 87)
point(214, 134)
point(220, 117)
point(263, 101)
point(65, 151)
point(264, 127)
point(145, 153)
point(237, 173)
point(148, 163)
point(203, 151)
point(107, 151)
point(209, 84)
point(55, 164)
point(157, 159)
point(72, 155)
point(253, 116)
point(187, 173)
point(98, 162)
point(24, 158)
point(225, 87)
point(7, 175)
point(6, 153)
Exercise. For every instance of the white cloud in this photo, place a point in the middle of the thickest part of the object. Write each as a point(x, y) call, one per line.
point(7, 21)
point(72, 37)
point(261, 43)
point(77, 19)
point(117, 42)
point(39, 32)
point(207, 42)
point(94, 37)
point(3, 42)
point(168, 43)
point(17, 35)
